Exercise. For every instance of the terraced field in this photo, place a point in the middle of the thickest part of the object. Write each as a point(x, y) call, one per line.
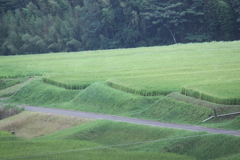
point(210, 71)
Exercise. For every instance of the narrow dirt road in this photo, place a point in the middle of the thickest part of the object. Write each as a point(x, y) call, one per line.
point(130, 120)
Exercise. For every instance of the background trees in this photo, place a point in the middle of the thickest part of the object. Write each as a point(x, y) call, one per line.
point(41, 26)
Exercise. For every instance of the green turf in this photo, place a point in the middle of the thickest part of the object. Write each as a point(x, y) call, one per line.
point(100, 98)
point(174, 141)
point(12, 147)
point(41, 94)
point(5, 83)
point(144, 71)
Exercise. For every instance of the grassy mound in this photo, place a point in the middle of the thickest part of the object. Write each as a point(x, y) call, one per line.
point(169, 140)
point(39, 93)
point(100, 98)
point(29, 124)
point(169, 110)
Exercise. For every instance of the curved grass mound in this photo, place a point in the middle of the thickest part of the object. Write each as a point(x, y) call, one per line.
point(197, 145)
point(100, 98)
point(169, 110)
point(39, 93)
point(222, 93)
point(30, 124)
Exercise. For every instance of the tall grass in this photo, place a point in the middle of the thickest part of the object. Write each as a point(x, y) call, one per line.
point(14, 88)
point(172, 141)
point(146, 71)
point(5, 83)
point(9, 110)
point(219, 92)
point(38, 93)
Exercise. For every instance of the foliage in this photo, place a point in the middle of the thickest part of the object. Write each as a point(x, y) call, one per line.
point(41, 26)
point(9, 110)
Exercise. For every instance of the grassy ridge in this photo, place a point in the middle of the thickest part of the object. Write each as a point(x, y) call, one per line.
point(219, 92)
point(30, 124)
point(100, 98)
point(145, 71)
point(5, 83)
point(108, 133)
point(13, 86)
point(155, 143)
point(39, 93)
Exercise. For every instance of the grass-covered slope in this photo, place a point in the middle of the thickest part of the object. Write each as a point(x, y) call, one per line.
point(103, 139)
point(5, 83)
point(39, 93)
point(182, 142)
point(29, 124)
point(146, 71)
point(100, 98)
point(64, 145)
point(10, 86)
point(218, 92)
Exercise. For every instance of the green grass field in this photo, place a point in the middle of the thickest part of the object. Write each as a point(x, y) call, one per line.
point(145, 71)
point(140, 82)
point(104, 139)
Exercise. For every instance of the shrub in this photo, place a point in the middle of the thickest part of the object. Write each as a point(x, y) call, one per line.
point(9, 110)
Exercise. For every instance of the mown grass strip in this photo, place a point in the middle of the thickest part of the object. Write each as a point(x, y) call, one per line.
point(11, 90)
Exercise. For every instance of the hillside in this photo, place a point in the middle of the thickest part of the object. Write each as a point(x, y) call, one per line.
point(148, 82)
point(104, 139)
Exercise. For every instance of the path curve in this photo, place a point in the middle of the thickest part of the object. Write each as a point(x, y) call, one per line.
point(129, 120)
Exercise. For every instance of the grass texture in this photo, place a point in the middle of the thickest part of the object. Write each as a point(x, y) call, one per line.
point(29, 125)
point(103, 139)
point(41, 94)
point(147, 71)
point(107, 133)
point(219, 92)
point(100, 98)
point(12, 86)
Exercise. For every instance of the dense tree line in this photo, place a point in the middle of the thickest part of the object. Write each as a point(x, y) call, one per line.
point(42, 26)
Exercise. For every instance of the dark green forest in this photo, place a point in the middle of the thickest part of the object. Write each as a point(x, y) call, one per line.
point(42, 26)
